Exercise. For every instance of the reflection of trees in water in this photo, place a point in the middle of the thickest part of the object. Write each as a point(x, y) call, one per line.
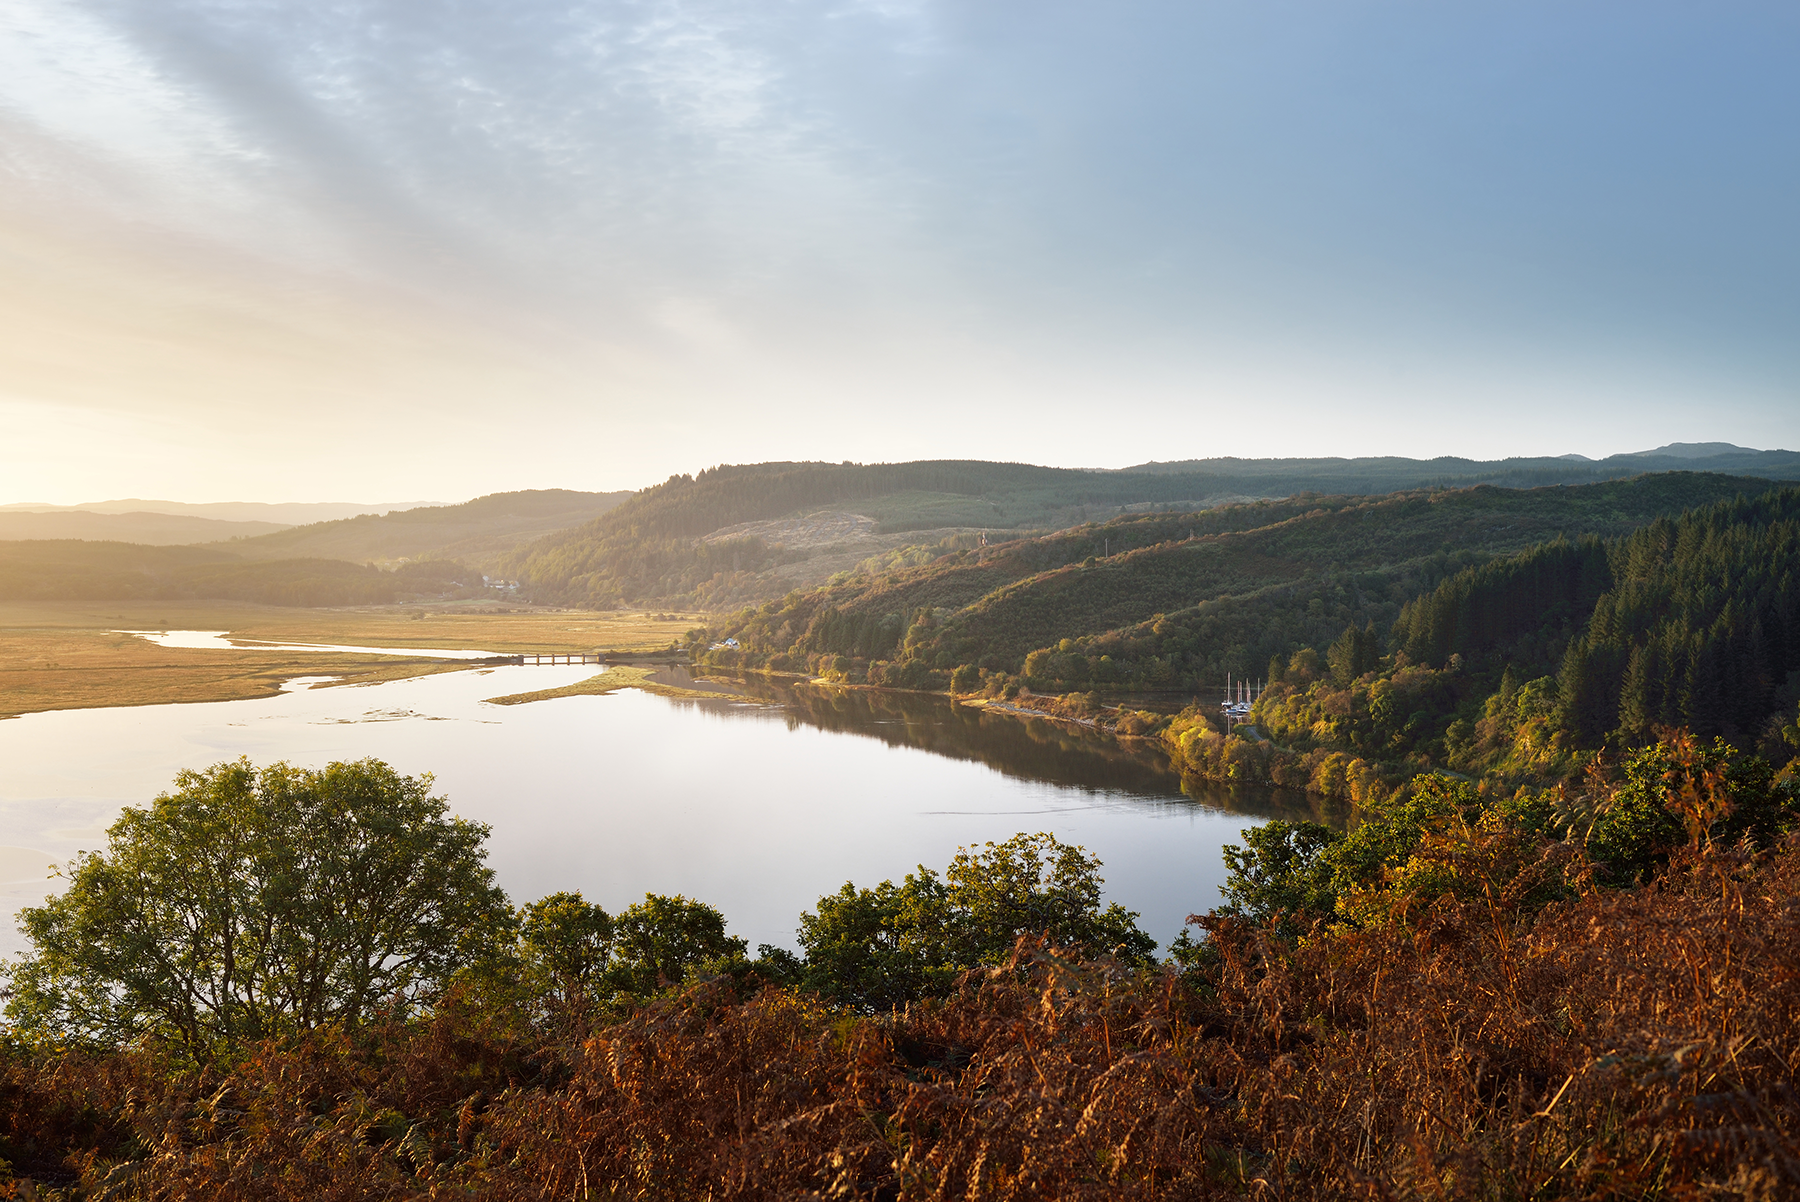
point(1028, 748)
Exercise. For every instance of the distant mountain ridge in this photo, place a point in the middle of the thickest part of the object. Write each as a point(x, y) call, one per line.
point(1697, 450)
point(295, 513)
point(1374, 474)
point(429, 552)
point(477, 532)
point(148, 529)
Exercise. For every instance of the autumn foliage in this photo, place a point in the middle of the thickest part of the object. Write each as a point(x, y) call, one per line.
point(1618, 1043)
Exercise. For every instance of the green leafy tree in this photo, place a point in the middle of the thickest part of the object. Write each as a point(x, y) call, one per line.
point(1392, 830)
point(657, 942)
point(566, 943)
point(879, 947)
point(1034, 885)
point(883, 946)
point(1282, 872)
point(248, 904)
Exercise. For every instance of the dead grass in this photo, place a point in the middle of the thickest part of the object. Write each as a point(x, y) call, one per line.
point(1619, 1045)
point(64, 656)
point(624, 676)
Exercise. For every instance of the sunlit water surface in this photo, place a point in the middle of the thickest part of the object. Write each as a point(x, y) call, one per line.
point(757, 807)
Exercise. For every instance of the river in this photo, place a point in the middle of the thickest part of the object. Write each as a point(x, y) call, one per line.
point(757, 805)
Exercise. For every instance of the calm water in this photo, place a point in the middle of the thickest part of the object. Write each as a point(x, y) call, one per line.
point(756, 806)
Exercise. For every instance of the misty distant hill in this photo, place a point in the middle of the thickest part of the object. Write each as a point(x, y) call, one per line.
point(74, 570)
point(154, 529)
point(1697, 450)
point(278, 514)
point(1283, 477)
point(476, 532)
point(423, 553)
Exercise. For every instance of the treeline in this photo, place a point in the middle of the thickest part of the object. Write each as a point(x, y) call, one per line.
point(74, 570)
point(955, 1034)
point(1701, 627)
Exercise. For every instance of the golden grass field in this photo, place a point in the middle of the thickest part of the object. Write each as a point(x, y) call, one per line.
point(623, 676)
point(65, 655)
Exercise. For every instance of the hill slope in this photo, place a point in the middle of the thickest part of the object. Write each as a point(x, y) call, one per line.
point(154, 529)
point(278, 513)
point(674, 543)
point(1178, 601)
point(432, 552)
point(72, 570)
point(478, 532)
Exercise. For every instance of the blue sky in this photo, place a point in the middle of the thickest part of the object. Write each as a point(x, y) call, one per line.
point(284, 250)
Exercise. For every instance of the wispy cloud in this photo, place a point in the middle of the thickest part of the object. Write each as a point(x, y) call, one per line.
point(994, 216)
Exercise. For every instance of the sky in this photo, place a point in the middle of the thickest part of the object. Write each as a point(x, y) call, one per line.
point(287, 250)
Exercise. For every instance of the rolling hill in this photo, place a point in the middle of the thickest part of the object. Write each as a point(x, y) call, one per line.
point(704, 540)
point(153, 529)
point(477, 532)
point(1178, 601)
point(366, 560)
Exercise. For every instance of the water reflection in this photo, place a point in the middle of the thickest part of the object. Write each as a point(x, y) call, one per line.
point(1033, 749)
point(217, 640)
point(759, 803)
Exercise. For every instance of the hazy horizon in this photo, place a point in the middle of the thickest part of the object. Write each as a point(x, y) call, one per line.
point(268, 251)
point(114, 504)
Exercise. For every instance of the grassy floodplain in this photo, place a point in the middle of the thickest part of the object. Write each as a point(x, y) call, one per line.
point(624, 676)
point(67, 655)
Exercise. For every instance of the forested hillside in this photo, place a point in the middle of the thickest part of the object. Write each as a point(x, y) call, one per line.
point(652, 548)
point(1522, 669)
point(1180, 600)
point(1505, 633)
point(674, 543)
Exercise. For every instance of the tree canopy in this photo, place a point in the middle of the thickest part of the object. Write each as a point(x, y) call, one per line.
point(891, 944)
point(250, 903)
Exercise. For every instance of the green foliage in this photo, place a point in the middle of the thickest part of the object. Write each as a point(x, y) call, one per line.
point(659, 941)
point(1354, 653)
point(1437, 834)
point(1282, 873)
point(248, 904)
point(879, 947)
point(566, 943)
point(1392, 830)
point(1433, 836)
point(1680, 790)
